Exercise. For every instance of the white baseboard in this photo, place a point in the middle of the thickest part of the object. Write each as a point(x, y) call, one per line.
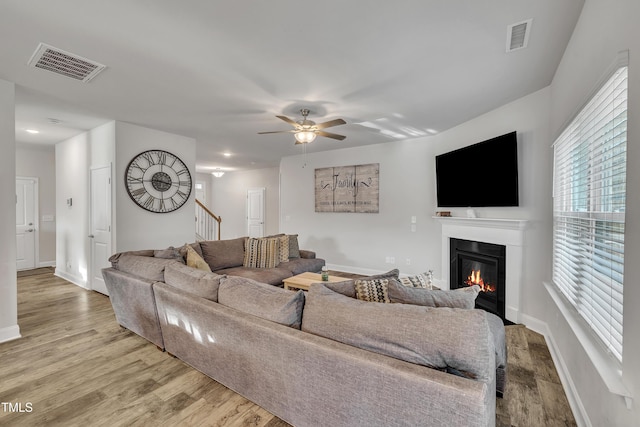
point(10, 333)
point(579, 412)
point(71, 278)
point(47, 264)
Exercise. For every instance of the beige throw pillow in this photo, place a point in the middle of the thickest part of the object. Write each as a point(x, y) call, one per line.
point(194, 260)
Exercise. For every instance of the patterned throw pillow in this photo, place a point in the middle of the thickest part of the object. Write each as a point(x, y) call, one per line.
point(262, 253)
point(283, 254)
point(418, 281)
point(375, 290)
point(194, 260)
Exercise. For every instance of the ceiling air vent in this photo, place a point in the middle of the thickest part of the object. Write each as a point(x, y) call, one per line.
point(518, 35)
point(67, 64)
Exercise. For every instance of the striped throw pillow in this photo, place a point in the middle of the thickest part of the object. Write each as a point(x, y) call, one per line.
point(262, 253)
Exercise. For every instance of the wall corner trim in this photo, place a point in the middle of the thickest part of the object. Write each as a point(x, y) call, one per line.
point(10, 333)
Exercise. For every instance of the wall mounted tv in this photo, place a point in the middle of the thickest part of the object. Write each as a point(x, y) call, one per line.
point(480, 175)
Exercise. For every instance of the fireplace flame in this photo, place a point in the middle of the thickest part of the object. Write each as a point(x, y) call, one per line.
point(476, 279)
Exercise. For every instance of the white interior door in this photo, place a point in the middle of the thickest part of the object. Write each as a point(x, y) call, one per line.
point(26, 215)
point(255, 212)
point(100, 237)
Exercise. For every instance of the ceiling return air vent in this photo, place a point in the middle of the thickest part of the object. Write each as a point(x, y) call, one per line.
point(65, 63)
point(518, 35)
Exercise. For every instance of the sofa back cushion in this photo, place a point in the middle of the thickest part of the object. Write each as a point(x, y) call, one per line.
point(148, 267)
point(348, 287)
point(199, 282)
point(435, 337)
point(223, 253)
point(457, 298)
point(259, 299)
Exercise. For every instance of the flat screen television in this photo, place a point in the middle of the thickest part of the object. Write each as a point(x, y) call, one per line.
point(480, 175)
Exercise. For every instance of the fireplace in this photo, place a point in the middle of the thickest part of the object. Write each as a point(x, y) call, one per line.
point(482, 264)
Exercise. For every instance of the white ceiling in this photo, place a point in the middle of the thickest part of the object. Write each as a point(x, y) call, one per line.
point(219, 71)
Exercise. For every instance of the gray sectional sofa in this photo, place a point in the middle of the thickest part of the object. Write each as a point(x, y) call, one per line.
point(322, 357)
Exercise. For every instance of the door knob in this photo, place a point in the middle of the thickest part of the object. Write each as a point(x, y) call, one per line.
point(29, 230)
point(91, 236)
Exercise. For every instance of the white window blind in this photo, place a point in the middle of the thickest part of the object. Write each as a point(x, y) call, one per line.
point(590, 159)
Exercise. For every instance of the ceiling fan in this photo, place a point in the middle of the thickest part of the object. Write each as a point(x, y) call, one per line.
point(305, 130)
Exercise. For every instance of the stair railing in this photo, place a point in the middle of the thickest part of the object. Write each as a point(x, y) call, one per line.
point(207, 223)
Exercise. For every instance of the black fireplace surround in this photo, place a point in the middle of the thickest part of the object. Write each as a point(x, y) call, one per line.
point(483, 264)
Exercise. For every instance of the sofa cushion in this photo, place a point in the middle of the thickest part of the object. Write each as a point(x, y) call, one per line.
point(457, 298)
point(348, 287)
point(223, 253)
point(262, 252)
point(195, 246)
point(302, 265)
point(294, 247)
point(169, 253)
point(262, 300)
point(199, 282)
point(373, 290)
point(113, 259)
point(196, 261)
point(435, 337)
point(147, 267)
point(271, 276)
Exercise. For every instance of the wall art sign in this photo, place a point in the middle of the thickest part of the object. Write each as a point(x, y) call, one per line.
point(348, 189)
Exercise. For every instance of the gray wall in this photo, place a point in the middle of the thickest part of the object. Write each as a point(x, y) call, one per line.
point(115, 144)
point(362, 242)
point(604, 29)
point(229, 200)
point(38, 161)
point(8, 291)
point(135, 227)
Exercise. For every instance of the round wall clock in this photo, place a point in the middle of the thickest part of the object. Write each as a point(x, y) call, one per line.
point(158, 181)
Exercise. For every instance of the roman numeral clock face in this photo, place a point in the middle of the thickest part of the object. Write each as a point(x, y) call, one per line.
point(158, 181)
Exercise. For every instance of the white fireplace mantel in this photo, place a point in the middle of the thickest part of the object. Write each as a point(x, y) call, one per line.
point(508, 232)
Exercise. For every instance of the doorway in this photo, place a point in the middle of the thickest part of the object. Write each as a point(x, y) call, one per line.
point(26, 223)
point(255, 212)
point(100, 233)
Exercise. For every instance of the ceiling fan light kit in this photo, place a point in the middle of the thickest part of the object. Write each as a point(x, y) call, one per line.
point(305, 137)
point(306, 131)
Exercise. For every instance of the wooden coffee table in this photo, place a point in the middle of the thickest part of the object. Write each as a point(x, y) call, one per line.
point(304, 280)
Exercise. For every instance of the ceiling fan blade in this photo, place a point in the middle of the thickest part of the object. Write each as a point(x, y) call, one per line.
point(331, 135)
point(288, 120)
point(277, 131)
point(330, 123)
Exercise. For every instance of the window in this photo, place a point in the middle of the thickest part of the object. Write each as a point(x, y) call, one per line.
point(588, 210)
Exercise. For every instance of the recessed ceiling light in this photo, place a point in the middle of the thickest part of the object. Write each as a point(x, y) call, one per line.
point(226, 154)
point(32, 131)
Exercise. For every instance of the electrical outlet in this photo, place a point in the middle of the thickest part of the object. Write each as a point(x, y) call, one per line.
point(390, 260)
point(408, 261)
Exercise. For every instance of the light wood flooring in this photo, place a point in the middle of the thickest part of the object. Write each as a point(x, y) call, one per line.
point(75, 366)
